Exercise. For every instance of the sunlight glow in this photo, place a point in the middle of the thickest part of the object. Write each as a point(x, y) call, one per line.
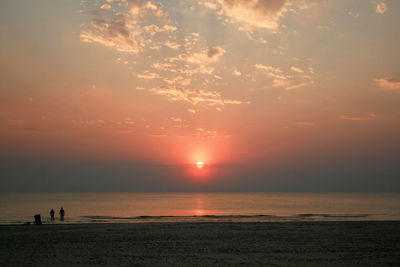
point(200, 164)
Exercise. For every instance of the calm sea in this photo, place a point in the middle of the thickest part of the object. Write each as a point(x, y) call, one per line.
point(178, 207)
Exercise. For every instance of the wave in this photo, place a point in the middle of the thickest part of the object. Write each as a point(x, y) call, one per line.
point(216, 217)
point(167, 216)
point(307, 215)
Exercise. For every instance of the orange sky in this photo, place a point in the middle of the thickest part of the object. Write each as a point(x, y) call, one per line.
point(259, 90)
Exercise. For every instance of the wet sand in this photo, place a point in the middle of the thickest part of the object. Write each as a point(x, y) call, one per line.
point(360, 243)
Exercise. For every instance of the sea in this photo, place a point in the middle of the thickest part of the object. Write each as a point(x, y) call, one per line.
point(198, 207)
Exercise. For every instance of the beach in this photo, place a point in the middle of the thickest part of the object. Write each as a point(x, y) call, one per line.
point(345, 243)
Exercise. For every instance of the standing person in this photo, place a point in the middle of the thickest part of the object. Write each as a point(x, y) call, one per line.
point(62, 212)
point(52, 214)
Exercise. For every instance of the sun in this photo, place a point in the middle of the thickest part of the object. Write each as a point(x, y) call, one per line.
point(200, 164)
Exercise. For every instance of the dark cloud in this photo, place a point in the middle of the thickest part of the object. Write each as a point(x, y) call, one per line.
point(214, 51)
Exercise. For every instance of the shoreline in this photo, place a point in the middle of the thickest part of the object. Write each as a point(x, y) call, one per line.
point(196, 222)
point(315, 243)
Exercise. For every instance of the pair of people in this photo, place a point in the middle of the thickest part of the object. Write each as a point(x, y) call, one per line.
point(62, 213)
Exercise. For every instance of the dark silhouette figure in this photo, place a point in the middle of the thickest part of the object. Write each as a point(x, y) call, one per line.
point(38, 220)
point(62, 213)
point(52, 214)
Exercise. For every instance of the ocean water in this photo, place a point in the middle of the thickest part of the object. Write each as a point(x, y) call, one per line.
point(184, 207)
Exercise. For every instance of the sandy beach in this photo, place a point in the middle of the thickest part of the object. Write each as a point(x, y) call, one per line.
point(203, 244)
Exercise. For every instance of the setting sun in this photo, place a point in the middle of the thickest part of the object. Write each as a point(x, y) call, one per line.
point(200, 164)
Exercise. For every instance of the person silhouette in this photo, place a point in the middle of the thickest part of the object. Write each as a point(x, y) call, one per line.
point(52, 214)
point(38, 220)
point(62, 213)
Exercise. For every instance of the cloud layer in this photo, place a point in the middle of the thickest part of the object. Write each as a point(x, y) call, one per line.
point(388, 83)
point(126, 31)
point(250, 13)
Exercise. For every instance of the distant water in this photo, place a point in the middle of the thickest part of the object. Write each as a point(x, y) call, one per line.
point(182, 207)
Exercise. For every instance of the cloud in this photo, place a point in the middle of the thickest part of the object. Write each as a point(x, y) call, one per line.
point(176, 119)
point(295, 86)
point(162, 66)
point(153, 29)
point(148, 75)
point(280, 83)
point(354, 15)
point(105, 7)
point(290, 81)
point(250, 13)
point(368, 116)
point(267, 68)
point(190, 63)
point(196, 97)
point(115, 34)
point(138, 27)
point(279, 79)
point(179, 80)
point(173, 45)
point(236, 73)
point(381, 8)
point(210, 55)
point(388, 83)
point(173, 94)
point(126, 30)
point(211, 5)
point(201, 132)
point(145, 9)
point(295, 69)
point(215, 51)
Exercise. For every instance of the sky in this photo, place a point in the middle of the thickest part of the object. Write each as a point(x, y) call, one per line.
point(272, 95)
